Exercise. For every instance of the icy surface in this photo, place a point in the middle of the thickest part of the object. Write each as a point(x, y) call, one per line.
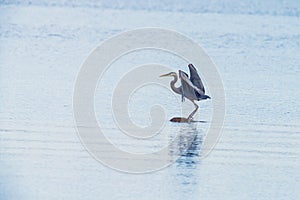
point(255, 46)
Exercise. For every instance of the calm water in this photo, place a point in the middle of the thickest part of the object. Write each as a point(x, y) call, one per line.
point(42, 49)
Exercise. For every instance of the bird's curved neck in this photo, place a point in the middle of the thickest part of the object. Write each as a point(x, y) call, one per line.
point(174, 88)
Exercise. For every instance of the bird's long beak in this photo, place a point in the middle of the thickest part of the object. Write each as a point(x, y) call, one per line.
point(164, 75)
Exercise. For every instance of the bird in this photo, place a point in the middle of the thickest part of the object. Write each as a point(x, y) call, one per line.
point(192, 89)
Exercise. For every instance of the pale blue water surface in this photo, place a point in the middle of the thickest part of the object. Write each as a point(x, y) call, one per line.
point(255, 46)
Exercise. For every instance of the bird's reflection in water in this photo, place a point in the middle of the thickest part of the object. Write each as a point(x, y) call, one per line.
point(186, 149)
point(191, 156)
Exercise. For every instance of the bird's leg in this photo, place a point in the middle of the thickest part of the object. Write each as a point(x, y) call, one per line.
point(189, 119)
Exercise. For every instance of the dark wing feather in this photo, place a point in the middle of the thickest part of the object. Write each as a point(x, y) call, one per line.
point(196, 80)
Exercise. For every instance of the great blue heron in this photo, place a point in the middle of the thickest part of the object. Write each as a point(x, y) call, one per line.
point(191, 89)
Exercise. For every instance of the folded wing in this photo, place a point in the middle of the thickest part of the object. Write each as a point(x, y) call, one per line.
point(188, 89)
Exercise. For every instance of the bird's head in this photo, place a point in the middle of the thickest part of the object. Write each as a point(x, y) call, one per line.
point(169, 74)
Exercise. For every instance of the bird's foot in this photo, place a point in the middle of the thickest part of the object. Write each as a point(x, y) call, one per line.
point(189, 119)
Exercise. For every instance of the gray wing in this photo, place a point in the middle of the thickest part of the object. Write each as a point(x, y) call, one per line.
point(188, 89)
point(196, 80)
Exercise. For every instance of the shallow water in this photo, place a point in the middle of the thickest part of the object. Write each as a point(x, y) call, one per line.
point(41, 157)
